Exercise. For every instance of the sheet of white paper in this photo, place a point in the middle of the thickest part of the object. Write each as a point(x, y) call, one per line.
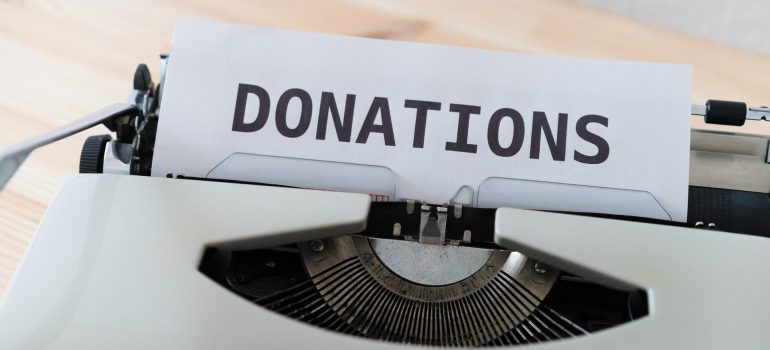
point(624, 125)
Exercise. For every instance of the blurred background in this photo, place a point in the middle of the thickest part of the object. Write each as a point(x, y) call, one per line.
point(60, 59)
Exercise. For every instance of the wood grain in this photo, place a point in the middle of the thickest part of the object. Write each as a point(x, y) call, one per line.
point(62, 59)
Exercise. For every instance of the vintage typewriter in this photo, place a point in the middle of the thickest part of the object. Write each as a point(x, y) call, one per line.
point(124, 260)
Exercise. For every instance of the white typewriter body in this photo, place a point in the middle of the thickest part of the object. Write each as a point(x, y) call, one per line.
point(94, 278)
point(124, 261)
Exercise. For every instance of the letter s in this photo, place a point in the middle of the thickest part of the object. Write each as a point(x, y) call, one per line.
point(603, 148)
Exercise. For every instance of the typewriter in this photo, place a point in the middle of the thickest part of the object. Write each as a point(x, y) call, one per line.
point(124, 260)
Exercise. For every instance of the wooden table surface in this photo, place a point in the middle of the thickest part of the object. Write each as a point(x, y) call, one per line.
point(61, 59)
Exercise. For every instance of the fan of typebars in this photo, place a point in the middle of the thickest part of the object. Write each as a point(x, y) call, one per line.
point(406, 292)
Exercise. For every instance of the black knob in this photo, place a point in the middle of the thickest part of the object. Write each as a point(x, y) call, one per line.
point(92, 154)
point(725, 112)
point(142, 78)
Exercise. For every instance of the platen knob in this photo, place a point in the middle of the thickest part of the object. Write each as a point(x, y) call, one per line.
point(92, 154)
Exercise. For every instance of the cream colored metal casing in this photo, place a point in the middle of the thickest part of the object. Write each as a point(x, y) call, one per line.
point(707, 289)
point(114, 265)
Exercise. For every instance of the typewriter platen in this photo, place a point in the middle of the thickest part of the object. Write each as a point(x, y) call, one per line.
point(125, 260)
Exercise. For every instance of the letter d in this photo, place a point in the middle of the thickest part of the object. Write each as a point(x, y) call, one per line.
point(239, 123)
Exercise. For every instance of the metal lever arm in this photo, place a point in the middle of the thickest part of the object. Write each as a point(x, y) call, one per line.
point(12, 158)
